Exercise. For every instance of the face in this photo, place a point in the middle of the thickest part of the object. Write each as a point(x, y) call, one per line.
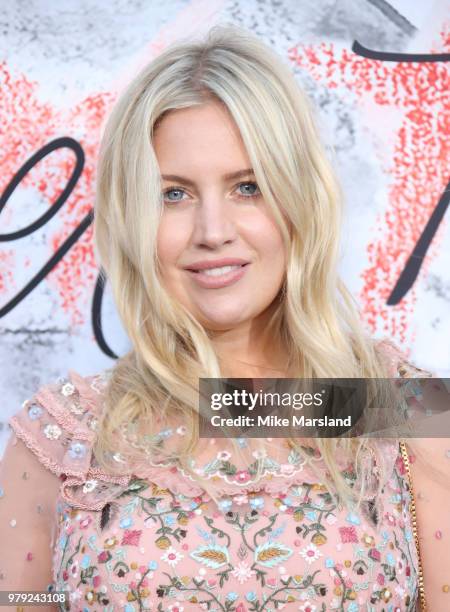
point(221, 254)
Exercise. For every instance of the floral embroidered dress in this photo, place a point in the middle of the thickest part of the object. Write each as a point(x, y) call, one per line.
point(156, 541)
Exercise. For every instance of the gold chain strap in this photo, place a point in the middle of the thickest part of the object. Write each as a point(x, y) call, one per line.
point(412, 509)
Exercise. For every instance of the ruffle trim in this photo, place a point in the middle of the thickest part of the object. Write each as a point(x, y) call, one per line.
point(88, 487)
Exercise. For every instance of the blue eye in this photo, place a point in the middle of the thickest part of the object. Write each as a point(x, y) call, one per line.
point(172, 190)
point(251, 191)
point(254, 190)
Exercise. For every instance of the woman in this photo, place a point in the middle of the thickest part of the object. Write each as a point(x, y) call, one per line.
point(217, 222)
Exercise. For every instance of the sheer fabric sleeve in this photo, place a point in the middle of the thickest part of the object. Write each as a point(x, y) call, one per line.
point(27, 513)
point(429, 459)
point(48, 461)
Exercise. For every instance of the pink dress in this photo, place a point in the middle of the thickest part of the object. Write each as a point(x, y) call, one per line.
point(156, 541)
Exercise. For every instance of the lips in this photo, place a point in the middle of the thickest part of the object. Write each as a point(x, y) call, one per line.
point(223, 275)
point(196, 266)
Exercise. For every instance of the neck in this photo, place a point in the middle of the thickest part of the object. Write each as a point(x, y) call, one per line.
point(247, 351)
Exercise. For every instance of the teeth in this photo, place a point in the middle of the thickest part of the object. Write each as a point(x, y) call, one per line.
point(219, 271)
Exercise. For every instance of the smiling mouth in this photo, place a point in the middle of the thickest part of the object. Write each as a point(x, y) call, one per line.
point(219, 271)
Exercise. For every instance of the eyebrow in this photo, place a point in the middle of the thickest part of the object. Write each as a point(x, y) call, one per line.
point(226, 177)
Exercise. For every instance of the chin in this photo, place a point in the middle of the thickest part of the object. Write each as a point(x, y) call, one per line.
point(221, 324)
point(221, 321)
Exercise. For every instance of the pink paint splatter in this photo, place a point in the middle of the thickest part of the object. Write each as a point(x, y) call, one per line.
point(27, 124)
point(419, 168)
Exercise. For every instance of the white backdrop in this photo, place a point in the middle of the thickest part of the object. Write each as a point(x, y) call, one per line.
point(62, 65)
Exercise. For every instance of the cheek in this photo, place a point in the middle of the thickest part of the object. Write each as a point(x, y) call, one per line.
point(265, 237)
point(171, 241)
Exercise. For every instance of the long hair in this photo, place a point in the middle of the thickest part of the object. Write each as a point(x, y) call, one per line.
point(316, 317)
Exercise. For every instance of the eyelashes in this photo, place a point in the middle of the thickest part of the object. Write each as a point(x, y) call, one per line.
point(240, 196)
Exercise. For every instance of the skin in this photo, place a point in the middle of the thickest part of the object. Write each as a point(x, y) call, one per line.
point(211, 218)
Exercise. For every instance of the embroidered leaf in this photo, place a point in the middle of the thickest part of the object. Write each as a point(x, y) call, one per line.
point(106, 515)
point(205, 535)
point(228, 468)
point(327, 499)
point(294, 456)
point(253, 468)
point(277, 532)
point(242, 551)
point(270, 464)
point(270, 554)
point(131, 506)
point(211, 556)
point(135, 485)
point(309, 450)
point(149, 505)
point(372, 512)
point(212, 466)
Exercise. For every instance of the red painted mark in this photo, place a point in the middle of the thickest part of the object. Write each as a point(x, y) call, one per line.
point(7, 265)
point(419, 170)
point(26, 124)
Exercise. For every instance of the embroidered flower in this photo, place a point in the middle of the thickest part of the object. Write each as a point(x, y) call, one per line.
point(104, 556)
point(75, 595)
point(368, 540)
point(89, 596)
point(92, 423)
point(242, 572)
point(375, 554)
point(225, 504)
point(223, 456)
point(386, 594)
point(84, 523)
point(34, 412)
point(172, 556)
point(176, 607)
point(348, 535)
point(52, 432)
point(165, 433)
point(110, 542)
point(89, 486)
point(240, 500)
point(390, 518)
point(353, 518)
point(100, 381)
point(68, 389)
point(77, 450)
point(242, 476)
point(307, 607)
point(131, 537)
point(74, 569)
point(201, 574)
point(232, 596)
point(310, 553)
point(77, 408)
point(257, 503)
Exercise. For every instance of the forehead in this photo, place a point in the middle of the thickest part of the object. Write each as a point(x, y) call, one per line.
point(204, 135)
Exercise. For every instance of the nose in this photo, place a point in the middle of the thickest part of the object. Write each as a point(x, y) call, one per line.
point(214, 223)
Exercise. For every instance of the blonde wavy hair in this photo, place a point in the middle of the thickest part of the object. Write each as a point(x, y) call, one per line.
point(316, 317)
